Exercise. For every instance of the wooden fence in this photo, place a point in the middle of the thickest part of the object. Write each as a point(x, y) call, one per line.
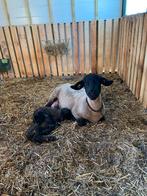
point(132, 54)
point(92, 47)
point(95, 46)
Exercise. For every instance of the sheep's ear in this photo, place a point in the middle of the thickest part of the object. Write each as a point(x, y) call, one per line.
point(78, 85)
point(105, 81)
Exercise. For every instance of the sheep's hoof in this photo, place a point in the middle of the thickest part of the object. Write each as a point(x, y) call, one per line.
point(82, 122)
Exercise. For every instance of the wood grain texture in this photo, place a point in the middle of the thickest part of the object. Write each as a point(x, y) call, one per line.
point(81, 48)
point(141, 56)
point(75, 48)
point(100, 46)
point(93, 46)
point(42, 35)
point(108, 41)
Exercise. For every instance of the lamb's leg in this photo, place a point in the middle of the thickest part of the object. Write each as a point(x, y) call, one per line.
point(43, 138)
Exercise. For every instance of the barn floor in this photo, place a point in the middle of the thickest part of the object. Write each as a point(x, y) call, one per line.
point(108, 158)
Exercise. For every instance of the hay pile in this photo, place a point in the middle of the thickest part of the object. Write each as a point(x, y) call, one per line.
point(54, 49)
point(106, 158)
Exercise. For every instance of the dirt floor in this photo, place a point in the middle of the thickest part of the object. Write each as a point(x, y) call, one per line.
point(108, 158)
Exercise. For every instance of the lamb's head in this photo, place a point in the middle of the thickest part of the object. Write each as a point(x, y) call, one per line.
point(42, 126)
point(43, 117)
point(92, 84)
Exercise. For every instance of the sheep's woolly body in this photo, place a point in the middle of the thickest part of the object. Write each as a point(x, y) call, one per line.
point(75, 100)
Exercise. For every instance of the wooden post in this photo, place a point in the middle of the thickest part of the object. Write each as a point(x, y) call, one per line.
point(73, 10)
point(96, 9)
point(7, 11)
point(50, 14)
point(28, 11)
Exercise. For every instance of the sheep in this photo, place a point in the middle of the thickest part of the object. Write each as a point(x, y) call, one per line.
point(45, 120)
point(83, 99)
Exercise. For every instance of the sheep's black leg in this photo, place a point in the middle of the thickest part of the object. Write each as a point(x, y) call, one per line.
point(82, 122)
point(66, 114)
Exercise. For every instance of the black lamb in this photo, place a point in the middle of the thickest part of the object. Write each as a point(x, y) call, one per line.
point(45, 120)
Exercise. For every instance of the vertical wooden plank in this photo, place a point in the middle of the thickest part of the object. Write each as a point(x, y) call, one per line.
point(41, 52)
point(5, 53)
point(81, 48)
point(122, 23)
point(104, 46)
point(1, 57)
point(12, 52)
point(143, 91)
point(125, 48)
point(128, 43)
point(114, 45)
point(119, 46)
point(97, 35)
point(61, 58)
point(17, 50)
point(56, 40)
point(69, 39)
point(108, 38)
point(37, 49)
point(49, 58)
point(21, 51)
point(141, 56)
point(56, 62)
point(65, 39)
point(52, 58)
point(130, 56)
point(93, 46)
point(100, 46)
point(90, 48)
point(134, 53)
point(75, 46)
point(64, 59)
point(24, 50)
point(87, 59)
point(138, 48)
point(45, 58)
point(31, 49)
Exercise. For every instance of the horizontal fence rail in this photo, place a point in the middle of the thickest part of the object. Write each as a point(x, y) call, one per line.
point(98, 46)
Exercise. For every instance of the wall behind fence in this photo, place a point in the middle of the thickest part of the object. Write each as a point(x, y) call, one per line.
point(23, 12)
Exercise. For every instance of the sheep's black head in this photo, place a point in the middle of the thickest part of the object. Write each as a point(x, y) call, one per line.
point(92, 84)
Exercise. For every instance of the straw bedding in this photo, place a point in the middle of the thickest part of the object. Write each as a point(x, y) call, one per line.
point(107, 158)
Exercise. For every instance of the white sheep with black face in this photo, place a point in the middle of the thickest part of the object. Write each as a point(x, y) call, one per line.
point(83, 98)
